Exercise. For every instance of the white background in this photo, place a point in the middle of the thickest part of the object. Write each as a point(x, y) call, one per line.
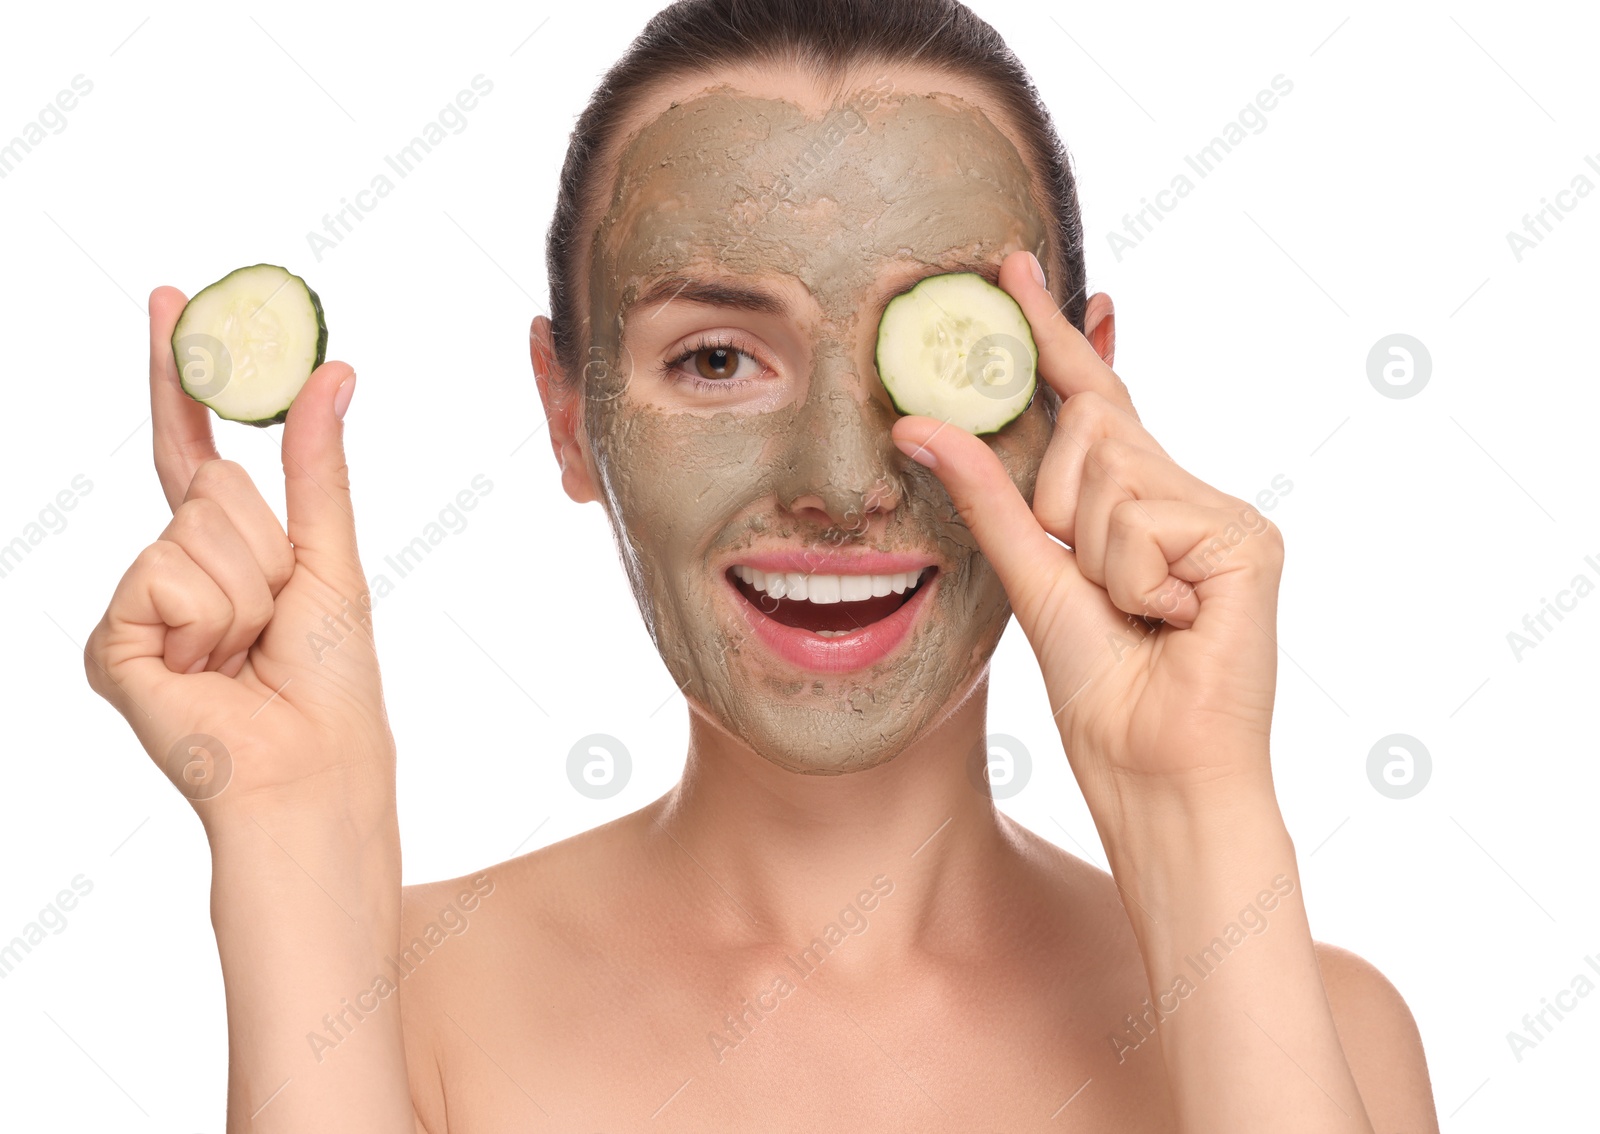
point(1420, 531)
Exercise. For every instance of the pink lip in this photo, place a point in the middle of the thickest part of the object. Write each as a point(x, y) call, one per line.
point(836, 562)
point(856, 650)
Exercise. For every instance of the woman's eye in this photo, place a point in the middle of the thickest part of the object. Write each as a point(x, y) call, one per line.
point(721, 363)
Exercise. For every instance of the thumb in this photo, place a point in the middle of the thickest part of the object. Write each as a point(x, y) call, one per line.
point(321, 524)
point(1030, 564)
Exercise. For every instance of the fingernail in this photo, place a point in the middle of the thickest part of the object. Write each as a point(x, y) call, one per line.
point(917, 453)
point(341, 396)
point(225, 666)
point(1038, 272)
point(199, 665)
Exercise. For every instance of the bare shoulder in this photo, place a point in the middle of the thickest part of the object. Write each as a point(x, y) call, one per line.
point(1376, 1029)
point(462, 935)
point(432, 916)
point(1381, 1041)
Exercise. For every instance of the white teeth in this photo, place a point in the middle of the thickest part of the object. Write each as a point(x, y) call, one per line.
point(854, 588)
point(825, 589)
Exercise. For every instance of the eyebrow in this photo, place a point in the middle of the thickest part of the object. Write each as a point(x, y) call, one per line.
point(732, 294)
point(713, 293)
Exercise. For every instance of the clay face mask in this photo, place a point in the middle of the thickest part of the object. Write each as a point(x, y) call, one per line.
point(882, 189)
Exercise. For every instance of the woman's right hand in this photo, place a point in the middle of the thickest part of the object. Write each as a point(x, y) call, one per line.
point(242, 655)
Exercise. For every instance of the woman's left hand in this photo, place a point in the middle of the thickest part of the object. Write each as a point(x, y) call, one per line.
point(1141, 704)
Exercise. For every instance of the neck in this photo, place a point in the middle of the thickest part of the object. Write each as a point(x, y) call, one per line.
point(790, 852)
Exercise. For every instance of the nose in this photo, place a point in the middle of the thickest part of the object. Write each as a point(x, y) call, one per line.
point(841, 466)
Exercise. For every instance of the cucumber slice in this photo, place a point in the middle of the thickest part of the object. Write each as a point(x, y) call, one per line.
point(957, 348)
point(246, 344)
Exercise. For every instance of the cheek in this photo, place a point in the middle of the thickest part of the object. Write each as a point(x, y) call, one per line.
point(1021, 448)
point(674, 481)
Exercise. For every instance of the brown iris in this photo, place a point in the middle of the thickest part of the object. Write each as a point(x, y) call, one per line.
point(716, 363)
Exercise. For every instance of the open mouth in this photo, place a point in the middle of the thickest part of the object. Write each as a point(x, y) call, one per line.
point(829, 606)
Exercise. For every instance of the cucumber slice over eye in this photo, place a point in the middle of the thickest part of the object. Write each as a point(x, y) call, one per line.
point(246, 344)
point(957, 348)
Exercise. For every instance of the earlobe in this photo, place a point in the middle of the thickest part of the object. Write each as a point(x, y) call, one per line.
point(1100, 327)
point(575, 478)
point(562, 409)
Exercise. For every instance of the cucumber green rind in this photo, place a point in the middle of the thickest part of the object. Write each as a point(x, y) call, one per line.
point(988, 309)
point(181, 329)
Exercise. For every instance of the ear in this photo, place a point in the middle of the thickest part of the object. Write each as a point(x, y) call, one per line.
point(1100, 327)
point(563, 405)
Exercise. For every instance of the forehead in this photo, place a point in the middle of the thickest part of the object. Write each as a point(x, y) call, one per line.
point(761, 175)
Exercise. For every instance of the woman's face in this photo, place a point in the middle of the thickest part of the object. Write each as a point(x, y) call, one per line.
point(760, 231)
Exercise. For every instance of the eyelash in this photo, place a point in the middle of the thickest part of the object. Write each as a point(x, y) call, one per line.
point(669, 370)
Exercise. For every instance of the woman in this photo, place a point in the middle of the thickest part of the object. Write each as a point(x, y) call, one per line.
point(826, 920)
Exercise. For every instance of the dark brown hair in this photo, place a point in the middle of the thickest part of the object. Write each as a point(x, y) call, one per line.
point(826, 38)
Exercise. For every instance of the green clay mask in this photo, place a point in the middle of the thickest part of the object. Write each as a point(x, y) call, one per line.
point(825, 211)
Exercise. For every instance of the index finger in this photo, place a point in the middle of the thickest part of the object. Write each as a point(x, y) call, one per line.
point(1067, 360)
point(180, 426)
